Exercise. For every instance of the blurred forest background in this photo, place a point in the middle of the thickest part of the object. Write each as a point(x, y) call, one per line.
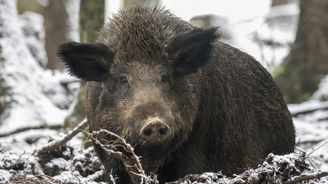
point(289, 37)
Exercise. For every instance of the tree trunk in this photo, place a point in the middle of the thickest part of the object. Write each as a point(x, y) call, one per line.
point(91, 20)
point(307, 63)
point(56, 22)
point(60, 28)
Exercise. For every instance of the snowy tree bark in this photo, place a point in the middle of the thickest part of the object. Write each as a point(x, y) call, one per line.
point(307, 63)
point(29, 84)
point(61, 26)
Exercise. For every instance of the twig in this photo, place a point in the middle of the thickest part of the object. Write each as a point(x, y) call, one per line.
point(23, 129)
point(310, 110)
point(53, 145)
point(316, 147)
point(112, 179)
point(301, 178)
point(130, 160)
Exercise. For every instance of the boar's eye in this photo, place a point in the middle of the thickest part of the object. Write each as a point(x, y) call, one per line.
point(165, 78)
point(123, 79)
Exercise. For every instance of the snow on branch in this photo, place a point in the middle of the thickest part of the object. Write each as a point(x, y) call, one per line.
point(306, 177)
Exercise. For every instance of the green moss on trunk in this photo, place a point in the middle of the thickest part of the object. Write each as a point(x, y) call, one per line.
point(307, 63)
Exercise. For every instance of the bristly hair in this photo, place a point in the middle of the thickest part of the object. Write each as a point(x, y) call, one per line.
point(142, 33)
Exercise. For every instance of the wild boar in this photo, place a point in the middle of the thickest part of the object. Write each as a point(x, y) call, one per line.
point(187, 102)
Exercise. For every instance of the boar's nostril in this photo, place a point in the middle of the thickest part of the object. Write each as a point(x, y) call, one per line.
point(163, 131)
point(147, 132)
point(155, 132)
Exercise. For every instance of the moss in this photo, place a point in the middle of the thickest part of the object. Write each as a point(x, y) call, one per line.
point(304, 97)
point(278, 71)
point(79, 112)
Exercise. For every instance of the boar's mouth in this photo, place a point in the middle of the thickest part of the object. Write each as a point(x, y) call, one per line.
point(155, 151)
point(153, 156)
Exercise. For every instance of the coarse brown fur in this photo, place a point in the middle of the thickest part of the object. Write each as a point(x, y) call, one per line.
point(225, 113)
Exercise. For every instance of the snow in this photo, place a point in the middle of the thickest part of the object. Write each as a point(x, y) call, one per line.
point(33, 30)
point(5, 176)
point(312, 127)
point(46, 97)
point(70, 164)
point(322, 92)
point(58, 163)
point(274, 169)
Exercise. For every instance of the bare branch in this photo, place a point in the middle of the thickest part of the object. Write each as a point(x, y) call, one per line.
point(60, 142)
point(130, 160)
point(295, 113)
point(23, 129)
point(316, 147)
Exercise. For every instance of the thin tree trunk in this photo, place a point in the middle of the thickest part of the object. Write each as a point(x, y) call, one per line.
point(60, 28)
point(56, 31)
point(91, 21)
point(307, 62)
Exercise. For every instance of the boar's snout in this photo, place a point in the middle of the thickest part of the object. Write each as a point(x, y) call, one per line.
point(155, 131)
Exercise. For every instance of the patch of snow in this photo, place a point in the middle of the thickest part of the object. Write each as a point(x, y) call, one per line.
point(5, 176)
point(58, 163)
point(290, 9)
point(33, 30)
point(322, 92)
point(71, 164)
point(312, 127)
point(308, 105)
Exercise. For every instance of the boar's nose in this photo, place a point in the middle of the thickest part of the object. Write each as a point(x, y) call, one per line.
point(155, 132)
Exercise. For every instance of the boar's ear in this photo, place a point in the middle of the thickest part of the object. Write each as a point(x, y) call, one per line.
point(86, 61)
point(192, 50)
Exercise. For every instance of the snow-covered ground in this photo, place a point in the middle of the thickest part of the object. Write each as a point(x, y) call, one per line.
point(39, 96)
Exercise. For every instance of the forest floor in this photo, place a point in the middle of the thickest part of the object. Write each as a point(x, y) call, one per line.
point(74, 163)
